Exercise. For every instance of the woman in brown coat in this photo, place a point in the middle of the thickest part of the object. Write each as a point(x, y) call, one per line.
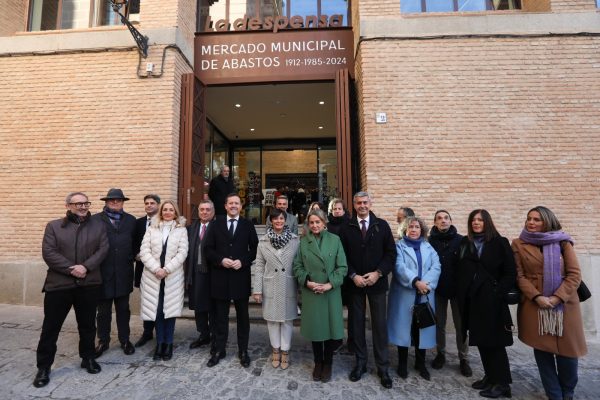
point(549, 315)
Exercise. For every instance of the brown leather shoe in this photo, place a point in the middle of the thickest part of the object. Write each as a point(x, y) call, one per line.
point(316, 374)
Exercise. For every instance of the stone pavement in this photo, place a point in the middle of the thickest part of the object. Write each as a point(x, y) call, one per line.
point(187, 377)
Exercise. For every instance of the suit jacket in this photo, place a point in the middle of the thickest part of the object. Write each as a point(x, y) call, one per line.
point(140, 230)
point(227, 283)
point(197, 277)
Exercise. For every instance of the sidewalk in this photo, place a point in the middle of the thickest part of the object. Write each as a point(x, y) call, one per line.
point(187, 377)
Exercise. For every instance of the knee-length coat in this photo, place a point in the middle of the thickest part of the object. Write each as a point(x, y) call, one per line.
point(530, 277)
point(177, 249)
point(322, 317)
point(402, 293)
point(481, 283)
point(274, 278)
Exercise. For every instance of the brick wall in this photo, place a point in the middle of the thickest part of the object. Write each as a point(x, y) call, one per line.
point(12, 17)
point(573, 5)
point(504, 124)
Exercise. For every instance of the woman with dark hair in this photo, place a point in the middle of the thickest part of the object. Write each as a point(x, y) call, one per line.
point(275, 286)
point(549, 314)
point(485, 273)
point(320, 267)
point(415, 277)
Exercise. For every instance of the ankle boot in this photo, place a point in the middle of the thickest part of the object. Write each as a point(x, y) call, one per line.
point(402, 362)
point(158, 351)
point(167, 352)
point(420, 364)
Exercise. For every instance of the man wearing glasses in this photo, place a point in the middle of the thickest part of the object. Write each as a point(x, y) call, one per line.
point(117, 271)
point(73, 249)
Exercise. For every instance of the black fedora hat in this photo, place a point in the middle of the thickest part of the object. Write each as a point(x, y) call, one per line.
point(115, 194)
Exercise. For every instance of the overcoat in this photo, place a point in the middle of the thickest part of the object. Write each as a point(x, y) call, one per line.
point(177, 249)
point(322, 317)
point(274, 278)
point(117, 267)
point(140, 230)
point(218, 190)
point(481, 284)
point(197, 276)
point(402, 293)
point(228, 283)
point(446, 244)
point(530, 276)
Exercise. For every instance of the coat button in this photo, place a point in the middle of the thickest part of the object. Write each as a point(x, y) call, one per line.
point(275, 269)
point(324, 270)
point(282, 269)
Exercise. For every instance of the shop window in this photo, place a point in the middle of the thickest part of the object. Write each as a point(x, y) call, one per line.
point(74, 14)
point(418, 6)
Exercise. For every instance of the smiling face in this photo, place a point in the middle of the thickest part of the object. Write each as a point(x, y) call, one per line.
point(477, 224)
point(79, 205)
point(413, 231)
point(315, 224)
point(232, 206)
point(281, 204)
point(534, 222)
point(167, 212)
point(278, 223)
point(362, 205)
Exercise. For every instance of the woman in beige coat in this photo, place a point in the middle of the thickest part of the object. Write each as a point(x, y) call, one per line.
point(274, 284)
point(549, 315)
point(163, 252)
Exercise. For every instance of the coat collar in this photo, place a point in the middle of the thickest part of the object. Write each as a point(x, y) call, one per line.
point(313, 246)
point(373, 220)
point(531, 250)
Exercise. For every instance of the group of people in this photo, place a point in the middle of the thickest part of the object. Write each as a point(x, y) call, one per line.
point(338, 260)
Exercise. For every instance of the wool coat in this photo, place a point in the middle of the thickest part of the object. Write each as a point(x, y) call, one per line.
point(402, 293)
point(274, 278)
point(447, 245)
point(117, 267)
point(481, 283)
point(322, 317)
point(67, 243)
point(197, 274)
point(140, 230)
point(530, 276)
point(218, 190)
point(177, 249)
point(229, 283)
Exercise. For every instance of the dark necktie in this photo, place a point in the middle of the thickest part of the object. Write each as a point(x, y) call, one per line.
point(202, 231)
point(231, 222)
point(363, 230)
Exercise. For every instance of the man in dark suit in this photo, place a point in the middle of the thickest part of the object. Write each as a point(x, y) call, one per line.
point(151, 205)
point(117, 271)
point(197, 275)
point(371, 254)
point(230, 250)
point(220, 186)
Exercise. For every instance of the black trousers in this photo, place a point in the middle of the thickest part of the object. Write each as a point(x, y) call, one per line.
point(105, 316)
point(57, 305)
point(205, 322)
point(378, 308)
point(323, 351)
point(495, 364)
point(222, 323)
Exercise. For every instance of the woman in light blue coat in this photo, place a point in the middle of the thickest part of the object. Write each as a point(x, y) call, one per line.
point(415, 276)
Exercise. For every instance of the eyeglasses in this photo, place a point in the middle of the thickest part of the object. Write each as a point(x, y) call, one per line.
point(81, 205)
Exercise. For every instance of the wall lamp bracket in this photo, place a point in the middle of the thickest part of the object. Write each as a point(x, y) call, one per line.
point(140, 40)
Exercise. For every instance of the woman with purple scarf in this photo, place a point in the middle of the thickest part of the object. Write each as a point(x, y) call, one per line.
point(549, 315)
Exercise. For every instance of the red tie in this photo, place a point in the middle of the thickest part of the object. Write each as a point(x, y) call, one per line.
point(202, 231)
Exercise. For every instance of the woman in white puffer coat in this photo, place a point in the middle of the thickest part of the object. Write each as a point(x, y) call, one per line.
point(163, 252)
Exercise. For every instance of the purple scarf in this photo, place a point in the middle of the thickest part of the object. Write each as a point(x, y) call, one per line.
point(550, 242)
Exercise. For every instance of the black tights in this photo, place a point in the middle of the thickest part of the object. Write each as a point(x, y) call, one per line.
point(323, 351)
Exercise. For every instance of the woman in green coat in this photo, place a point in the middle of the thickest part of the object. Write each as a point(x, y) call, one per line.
point(320, 267)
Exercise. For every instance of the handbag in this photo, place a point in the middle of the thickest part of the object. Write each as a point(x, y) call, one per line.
point(424, 315)
point(583, 292)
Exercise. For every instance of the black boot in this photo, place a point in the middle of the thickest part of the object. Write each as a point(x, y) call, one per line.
point(420, 364)
point(402, 362)
point(159, 350)
point(167, 352)
point(496, 391)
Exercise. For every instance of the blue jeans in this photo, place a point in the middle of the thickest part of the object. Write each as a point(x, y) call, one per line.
point(558, 374)
point(165, 327)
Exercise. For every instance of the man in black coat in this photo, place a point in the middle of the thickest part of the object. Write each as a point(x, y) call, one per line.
point(230, 250)
point(446, 241)
point(371, 255)
point(73, 248)
point(220, 186)
point(197, 275)
point(117, 271)
point(151, 205)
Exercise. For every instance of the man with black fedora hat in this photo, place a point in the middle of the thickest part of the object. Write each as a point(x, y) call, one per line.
point(117, 271)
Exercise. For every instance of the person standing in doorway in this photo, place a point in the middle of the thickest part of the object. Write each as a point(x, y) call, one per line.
point(73, 249)
point(151, 205)
point(220, 187)
point(446, 241)
point(371, 254)
point(198, 276)
point(230, 250)
point(117, 271)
